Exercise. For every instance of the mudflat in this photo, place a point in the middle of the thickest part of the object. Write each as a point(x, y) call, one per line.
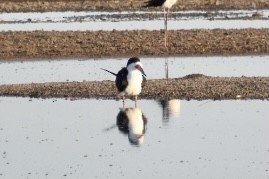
point(52, 44)
point(46, 44)
point(195, 86)
point(110, 5)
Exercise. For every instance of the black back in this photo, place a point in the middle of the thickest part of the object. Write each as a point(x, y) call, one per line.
point(154, 3)
point(133, 60)
point(121, 79)
point(123, 121)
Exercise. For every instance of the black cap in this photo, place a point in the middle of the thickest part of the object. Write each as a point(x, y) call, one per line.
point(133, 60)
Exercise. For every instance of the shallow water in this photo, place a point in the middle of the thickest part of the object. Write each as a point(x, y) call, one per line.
point(60, 138)
point(89, 69)
point(82, 21)
point(137, 25)
point(81, 16)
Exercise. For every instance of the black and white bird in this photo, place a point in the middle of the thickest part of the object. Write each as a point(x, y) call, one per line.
point(166, 5)
point(132, 121)
point(131, 79)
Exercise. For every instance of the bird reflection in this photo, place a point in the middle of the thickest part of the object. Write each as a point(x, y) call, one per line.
point(131, 121)
point(170, 108)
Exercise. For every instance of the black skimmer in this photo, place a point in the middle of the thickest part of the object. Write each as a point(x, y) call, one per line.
point(131, 121)
point(131, 79)
point(166, 5)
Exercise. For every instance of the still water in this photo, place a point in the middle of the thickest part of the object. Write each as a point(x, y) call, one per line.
point(40, 71)
point(58, 138)
point(84, 16)
point(96, 20)
point(136, 25)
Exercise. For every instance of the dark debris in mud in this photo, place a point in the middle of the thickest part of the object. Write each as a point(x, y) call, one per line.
point(195, 86)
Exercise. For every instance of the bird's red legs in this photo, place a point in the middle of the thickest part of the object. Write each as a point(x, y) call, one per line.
point(167, 39)
point(165, 26)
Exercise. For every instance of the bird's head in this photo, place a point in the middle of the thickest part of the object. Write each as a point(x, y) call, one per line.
point(135, 64)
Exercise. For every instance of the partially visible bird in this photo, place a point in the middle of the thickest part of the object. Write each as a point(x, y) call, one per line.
point(131, 79)
point(170, 108)
point(166, 5)
point(132, 121)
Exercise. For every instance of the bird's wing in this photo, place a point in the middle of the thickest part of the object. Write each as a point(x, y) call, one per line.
point(154, 3)
point(121, 79)
point(122, 121)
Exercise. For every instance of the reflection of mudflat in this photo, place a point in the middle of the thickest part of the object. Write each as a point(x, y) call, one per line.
point(131, 121)
point(170, 108)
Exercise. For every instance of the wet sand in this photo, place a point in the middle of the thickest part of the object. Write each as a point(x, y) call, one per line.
point(110, 5)
point(194, 86)
point(42, 44)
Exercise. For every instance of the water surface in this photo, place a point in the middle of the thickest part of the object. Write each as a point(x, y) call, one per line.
point(57, 138)
point(83, 16)
point(155, 67)
point(137, 25)
point(93, 21)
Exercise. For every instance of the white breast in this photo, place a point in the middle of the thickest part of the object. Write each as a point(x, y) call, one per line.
point(135, 79)
point(136, 124)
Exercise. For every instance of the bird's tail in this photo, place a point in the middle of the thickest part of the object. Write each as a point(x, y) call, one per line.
point(109, 71)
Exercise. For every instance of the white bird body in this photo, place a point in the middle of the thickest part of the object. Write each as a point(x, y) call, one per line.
point(136, 125)
point(134, 79)
point(169, 3)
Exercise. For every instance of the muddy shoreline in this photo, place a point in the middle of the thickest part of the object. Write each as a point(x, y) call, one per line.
point(196, 86)
point(90, 44)
point(95, 44)
point(112, 5)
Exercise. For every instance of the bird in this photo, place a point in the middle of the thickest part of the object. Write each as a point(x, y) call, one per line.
point(133, 122)
point(166, 5)
point(130, 79)
point(170, 108)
